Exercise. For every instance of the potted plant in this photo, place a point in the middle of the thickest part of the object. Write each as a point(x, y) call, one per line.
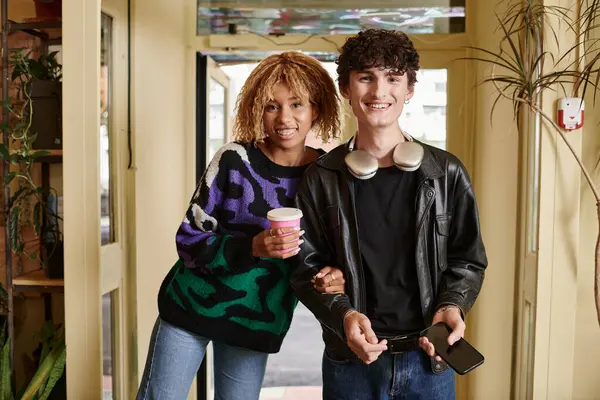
point(41, 78)
point(27, 205)
point(49, 358)
point(518, 74)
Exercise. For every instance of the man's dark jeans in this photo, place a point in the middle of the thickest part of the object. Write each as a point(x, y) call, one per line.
point(405, 376)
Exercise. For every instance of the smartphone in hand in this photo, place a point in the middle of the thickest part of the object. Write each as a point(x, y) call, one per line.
point(461, 356)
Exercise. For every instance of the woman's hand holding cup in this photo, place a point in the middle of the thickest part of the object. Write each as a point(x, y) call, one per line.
point(282, 240)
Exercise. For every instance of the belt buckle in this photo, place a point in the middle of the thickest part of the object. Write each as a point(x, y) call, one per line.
point(391, 344)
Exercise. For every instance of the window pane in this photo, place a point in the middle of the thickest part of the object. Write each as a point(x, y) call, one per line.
point(344, 17)
point(108, 332)
point(216, 125)
point(424, 117)
point(107, 226)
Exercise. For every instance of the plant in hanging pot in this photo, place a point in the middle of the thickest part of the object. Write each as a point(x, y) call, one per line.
point(28, 205)
point(43, 78)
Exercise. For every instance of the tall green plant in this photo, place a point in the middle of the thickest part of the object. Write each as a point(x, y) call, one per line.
point(51, 365)
point(520, 70)
point(6, 392)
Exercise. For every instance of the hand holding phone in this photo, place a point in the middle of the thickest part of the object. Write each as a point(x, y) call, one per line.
point(461, 356)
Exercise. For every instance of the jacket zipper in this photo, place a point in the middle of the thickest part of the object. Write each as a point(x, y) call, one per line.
point(361, 306)
point(421, 218)
point(420, 221)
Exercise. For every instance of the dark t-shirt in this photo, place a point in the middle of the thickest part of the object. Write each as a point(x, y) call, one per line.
point(385, 206)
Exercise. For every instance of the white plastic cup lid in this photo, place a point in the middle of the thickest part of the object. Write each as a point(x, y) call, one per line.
point(284, 214)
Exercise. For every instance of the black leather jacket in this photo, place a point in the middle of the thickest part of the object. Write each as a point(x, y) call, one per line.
point(450, 255)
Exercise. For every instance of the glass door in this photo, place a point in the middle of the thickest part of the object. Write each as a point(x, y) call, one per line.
point(113, 167)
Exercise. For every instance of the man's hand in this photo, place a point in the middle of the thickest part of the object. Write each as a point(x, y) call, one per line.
point(452, 317)
point(361, 338)
point(329, 280)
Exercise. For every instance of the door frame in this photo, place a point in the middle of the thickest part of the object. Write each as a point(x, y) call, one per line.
point(85, 278)
point(81, 184)
point(206, 69)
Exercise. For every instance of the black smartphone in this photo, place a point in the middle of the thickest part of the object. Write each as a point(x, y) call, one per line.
point(461, 356)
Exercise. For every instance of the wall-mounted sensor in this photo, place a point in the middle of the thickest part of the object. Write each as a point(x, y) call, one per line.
point(570, 113)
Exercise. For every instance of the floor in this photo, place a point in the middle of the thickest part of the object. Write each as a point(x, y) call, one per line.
point(291, 393)
point(298, 363)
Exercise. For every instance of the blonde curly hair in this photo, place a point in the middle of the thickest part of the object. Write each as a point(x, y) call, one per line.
point(305, 77)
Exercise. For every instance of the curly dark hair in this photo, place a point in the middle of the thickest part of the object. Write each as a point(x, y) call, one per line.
point(379, 48)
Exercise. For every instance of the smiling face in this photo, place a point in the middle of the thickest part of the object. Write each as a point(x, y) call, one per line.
point(287, 119)
point(377, 97)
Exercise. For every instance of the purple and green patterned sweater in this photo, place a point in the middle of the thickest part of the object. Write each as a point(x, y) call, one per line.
point(217, 289)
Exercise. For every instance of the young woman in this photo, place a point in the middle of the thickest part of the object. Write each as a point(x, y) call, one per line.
point(231, 282)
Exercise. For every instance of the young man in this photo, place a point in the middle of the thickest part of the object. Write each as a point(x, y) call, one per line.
point(408, 242)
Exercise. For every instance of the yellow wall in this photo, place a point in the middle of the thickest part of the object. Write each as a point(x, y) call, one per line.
point(490, 323)
point(587, 352)
point(159, 124)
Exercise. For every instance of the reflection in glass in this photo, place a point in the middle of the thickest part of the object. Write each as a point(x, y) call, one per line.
point(108, 328)
point(216, 125)
point(424, 117)
point(284, 18)
point(107, 226)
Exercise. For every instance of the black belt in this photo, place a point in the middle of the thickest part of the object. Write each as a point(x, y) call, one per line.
point(402, 343)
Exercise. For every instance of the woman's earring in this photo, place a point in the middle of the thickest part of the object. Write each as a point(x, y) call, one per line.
point(406, 101)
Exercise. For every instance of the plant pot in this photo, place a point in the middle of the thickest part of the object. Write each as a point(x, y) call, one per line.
point(54, 260)
point(48, 9)
point(46, 120)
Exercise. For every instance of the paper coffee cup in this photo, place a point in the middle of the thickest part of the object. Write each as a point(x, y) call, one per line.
point(284, 217)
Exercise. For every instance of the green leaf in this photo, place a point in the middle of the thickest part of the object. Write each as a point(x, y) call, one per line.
point(5, 379)
point(55, 374)
point(4, 152)
point(49, 371)
point(13, 227)
point(3, 333)
point(9, 177)
point(16, 195)
point(38, 154)
point(36, 217)
point(32, 137)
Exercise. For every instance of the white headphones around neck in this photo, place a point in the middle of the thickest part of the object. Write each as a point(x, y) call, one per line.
point(407, 156)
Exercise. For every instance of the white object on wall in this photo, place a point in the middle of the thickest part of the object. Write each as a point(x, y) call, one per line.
point(570, 113)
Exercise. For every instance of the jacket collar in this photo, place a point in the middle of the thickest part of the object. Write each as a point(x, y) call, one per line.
point(430, 167)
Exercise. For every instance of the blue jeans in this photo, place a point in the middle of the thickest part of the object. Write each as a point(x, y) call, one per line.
point(174, 358)
point(403, 376)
